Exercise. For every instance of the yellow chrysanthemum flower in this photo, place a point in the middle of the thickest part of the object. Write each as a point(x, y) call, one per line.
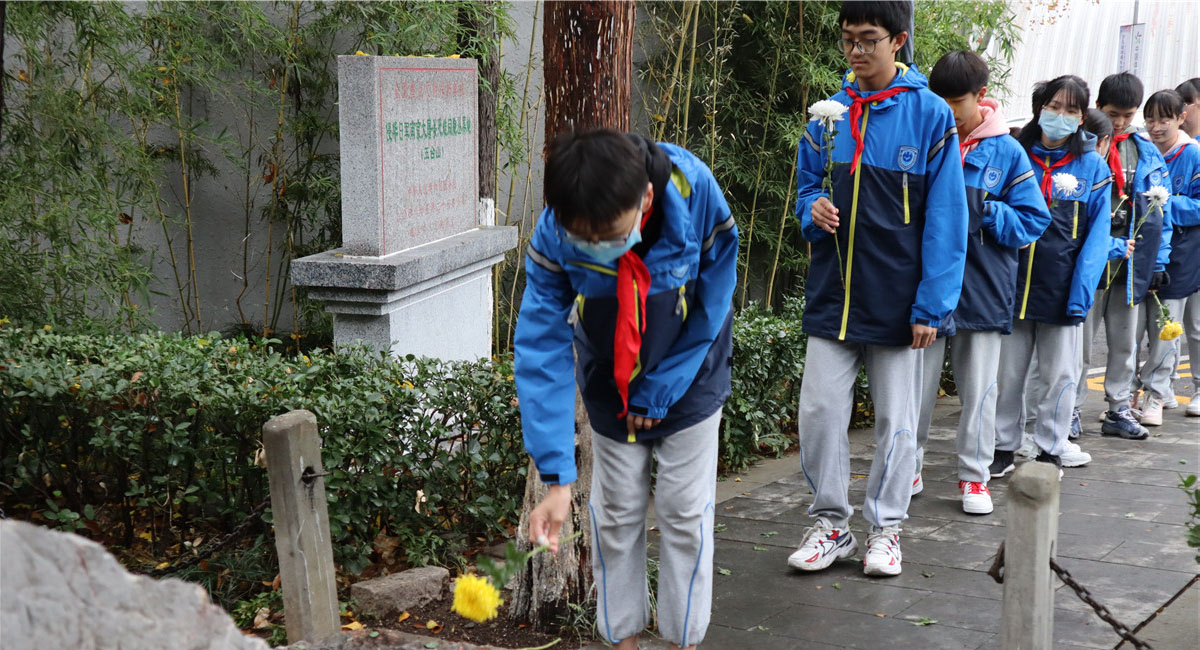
point(1170, 331)
point(476, 598)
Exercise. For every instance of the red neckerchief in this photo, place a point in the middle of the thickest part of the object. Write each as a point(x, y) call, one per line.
point(1047, 182)
point(1179, 151)
point(1114, 162)
point(633, 284)
point(856, 110)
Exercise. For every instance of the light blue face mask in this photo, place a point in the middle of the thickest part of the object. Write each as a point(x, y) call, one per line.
point(605, 252)
point(1057, 126)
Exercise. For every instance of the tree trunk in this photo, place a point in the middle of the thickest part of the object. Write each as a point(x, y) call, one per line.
point(588, 50)
point(480, 23)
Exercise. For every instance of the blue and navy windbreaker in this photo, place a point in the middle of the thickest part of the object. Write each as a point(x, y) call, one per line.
point(1184, 268)
point(1007, 212)
point(1057, 274)
point(1153, 246)
point(682, 374)
point(903, 218)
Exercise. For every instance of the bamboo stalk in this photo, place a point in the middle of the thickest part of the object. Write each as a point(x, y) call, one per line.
point(674, 78)
point(687, 101)
point(758, 173)
point(782, 225)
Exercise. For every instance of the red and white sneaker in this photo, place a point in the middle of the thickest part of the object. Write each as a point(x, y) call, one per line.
point(883, 552)
point(822, 545)
point(918, 485)
point(976, 498)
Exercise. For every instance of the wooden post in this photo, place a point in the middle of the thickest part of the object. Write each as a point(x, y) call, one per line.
point(306, 570)
point(1029, 545)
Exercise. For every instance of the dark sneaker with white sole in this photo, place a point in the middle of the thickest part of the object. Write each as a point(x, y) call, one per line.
point(1002, 464)
point(1123, 423)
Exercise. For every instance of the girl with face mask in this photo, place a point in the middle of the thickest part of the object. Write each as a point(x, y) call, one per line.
point(1057, 278)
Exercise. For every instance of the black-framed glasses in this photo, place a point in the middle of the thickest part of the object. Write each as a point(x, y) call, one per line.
point(866, 46)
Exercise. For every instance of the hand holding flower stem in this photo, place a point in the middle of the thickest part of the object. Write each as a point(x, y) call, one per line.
point(824, 213)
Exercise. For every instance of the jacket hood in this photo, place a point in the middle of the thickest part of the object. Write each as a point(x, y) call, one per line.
point(993, 125)
point(907, 77)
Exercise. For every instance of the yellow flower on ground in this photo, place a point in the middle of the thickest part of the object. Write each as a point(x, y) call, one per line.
point(1170, 331)
point(361, 53)
point(476, 598)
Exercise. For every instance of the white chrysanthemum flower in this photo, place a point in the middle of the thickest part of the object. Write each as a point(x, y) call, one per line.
point(827, 111)
point(1157, 196)
point(1065, 183)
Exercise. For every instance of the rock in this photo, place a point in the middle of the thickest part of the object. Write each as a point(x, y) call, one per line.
point(64, 591)
point(383, 597)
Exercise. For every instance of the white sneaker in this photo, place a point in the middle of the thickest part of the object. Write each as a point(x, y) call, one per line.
point(883, 552)
point(1152, 408)
point(1193, 407)
point(1169, 402)
point(822, 545)
point(1028, 448)
point(976, 498)
point(918, 485)
point(1073, 456)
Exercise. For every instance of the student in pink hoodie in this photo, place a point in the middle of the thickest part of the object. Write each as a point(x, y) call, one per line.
point(1006, 212)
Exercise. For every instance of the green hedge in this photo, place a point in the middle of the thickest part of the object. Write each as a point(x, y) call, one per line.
point(148, 442)
point(152, 440)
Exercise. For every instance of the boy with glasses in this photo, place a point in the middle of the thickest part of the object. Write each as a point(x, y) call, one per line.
point(1136, 166)
point(631, 270)
point(888, 248)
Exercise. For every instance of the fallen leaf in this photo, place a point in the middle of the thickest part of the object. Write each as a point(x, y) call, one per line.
point(837, 585)
point(770, 533)
point(373, 634)
point(353, 625)
point(1129, 515)
point(737, 479)
point(925, 620)
point(881, 615)
point(403, 617)
point(433, 626)
point(431, 644)
point(724, 572)
point(420, 500)
point(760, 548)
point(927, 574)
point(163, 565)
point(818, 587)
point(262, 618)
point(276, 582)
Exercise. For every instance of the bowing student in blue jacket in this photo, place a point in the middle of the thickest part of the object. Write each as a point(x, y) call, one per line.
point(1006, 213)
point(888, 247)
point(1057, 277)
point(630, 277)
point(1164, 112)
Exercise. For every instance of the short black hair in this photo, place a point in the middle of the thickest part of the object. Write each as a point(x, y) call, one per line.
point(892, 15)
point(1121, 90)
point(958, 73)
point(593, 176)
point(1097, 123)
point(1164, 103)
point(1189, 90)
point(1077, 95)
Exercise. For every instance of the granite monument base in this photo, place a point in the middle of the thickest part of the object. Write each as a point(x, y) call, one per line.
point(432, 300)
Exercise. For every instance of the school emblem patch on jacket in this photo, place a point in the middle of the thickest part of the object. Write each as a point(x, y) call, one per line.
point(1178, 181)
point(907, 157)
point(991, 177)
point(1156, 177)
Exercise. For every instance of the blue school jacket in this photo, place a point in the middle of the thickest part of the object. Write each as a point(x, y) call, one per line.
point(1058, 273)
point(1007, 211)
point(903, 232)
point(683, 368)
point(1153, 246)
point(1184, 266)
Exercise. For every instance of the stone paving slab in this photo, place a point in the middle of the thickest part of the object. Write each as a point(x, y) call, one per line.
point(1121, 533)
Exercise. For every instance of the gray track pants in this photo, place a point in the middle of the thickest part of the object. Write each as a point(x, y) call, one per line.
point(826, 400)
point(1058, 349)
point(975, 358)
point(683, 505)
point(1161, 356)
point(1120, 332)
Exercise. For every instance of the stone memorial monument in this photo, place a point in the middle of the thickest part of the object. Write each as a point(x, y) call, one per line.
point(414, 273)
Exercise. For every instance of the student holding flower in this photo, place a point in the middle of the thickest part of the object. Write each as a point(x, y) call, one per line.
point(1137, 166)
point(1057, 277)
point(1165, 113)
point(882, 202)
